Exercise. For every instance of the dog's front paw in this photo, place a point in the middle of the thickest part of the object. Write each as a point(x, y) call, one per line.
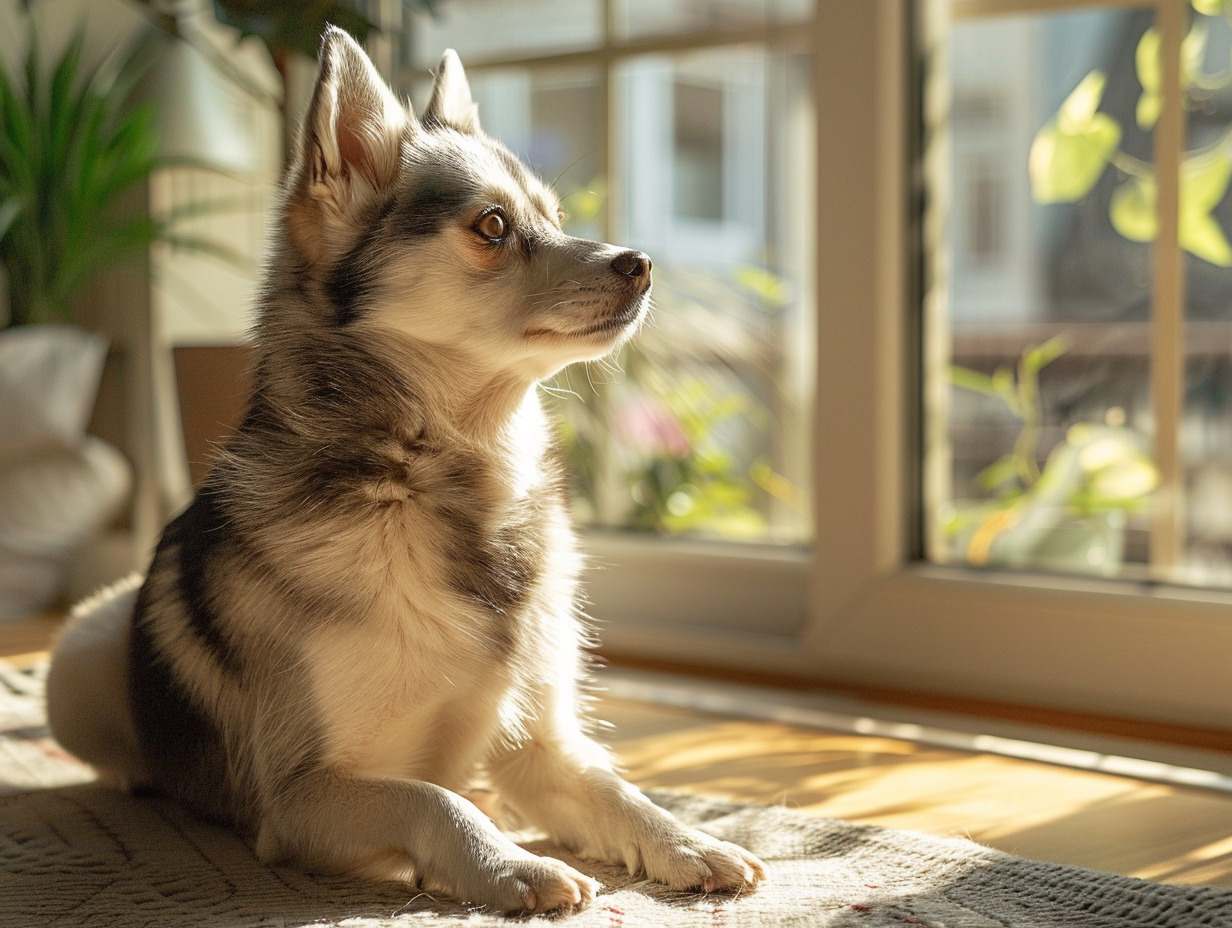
point(530, 885)
point(689, 859)
point(552, 886)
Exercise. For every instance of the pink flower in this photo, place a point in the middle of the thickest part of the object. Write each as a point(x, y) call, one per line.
point(650, 428)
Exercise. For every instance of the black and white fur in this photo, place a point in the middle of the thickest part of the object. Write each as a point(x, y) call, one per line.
point(374, 592)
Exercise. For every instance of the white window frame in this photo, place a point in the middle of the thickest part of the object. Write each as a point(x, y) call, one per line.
point(859, 606)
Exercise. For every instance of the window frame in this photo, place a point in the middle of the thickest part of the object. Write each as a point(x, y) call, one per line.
point(860, 606)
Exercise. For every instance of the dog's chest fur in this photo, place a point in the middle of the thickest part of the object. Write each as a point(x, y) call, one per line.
point(423, 583)
point(467, 567)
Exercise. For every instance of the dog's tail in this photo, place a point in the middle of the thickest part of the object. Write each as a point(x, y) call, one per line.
point(87, 686)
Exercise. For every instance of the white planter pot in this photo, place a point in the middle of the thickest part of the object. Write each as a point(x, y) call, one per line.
point(59, 487)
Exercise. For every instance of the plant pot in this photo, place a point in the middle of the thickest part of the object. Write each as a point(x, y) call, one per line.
point(1048, 538)
point(59, 487)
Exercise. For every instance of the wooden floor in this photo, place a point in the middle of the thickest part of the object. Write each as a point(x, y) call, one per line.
point(1036, 810)
point(1089, 819)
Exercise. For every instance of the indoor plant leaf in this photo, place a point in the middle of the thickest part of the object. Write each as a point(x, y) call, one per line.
point(71, 147)
point(298, 27)
point(9, 209)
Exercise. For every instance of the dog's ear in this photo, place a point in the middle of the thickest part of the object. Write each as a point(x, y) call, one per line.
point(352, 135)
point(451, 103)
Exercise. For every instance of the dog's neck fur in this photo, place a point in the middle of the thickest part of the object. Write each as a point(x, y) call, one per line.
point(410, 389)
point(475, 402)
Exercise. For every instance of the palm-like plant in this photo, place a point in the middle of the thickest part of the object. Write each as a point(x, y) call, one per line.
point(72, 145)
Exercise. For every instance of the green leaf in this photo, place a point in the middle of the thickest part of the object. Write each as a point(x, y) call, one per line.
point(1201, 235)
point(1078, 109)
point(1204, 180)
point(1208, 7)
point(1204, 183)
point(292, 26)
point(1132, 210)
point(8, 212)
point(69, 147)
point(1070, 153)
point(1147, 112)
point(1146, 62)
point(1193, 52)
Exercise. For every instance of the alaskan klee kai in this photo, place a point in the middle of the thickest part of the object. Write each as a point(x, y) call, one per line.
point(374, 592)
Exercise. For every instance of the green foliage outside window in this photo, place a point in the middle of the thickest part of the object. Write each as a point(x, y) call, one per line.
point(1072, 150)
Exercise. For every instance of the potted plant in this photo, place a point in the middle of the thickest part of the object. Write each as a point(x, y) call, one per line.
point(72, 146)
point(1068, 515)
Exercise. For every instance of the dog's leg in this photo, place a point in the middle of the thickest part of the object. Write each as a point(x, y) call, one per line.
point(331, 821)
point(562, 781)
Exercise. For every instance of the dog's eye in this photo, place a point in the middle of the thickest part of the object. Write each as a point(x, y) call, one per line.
point(493, 225)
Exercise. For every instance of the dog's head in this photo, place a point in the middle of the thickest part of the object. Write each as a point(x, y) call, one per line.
point(429, 228)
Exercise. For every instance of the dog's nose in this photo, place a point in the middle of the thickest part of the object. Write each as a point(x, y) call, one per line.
point(631, 264)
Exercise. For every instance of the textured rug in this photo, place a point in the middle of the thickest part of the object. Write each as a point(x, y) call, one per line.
point(74, 854)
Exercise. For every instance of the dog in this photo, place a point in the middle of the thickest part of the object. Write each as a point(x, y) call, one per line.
point(374, 593)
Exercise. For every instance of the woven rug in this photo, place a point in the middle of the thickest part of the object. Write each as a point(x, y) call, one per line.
point(75, 854)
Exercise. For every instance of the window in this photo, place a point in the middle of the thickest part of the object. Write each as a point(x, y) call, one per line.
point(861, 98)
point(693, 148)
point(683, 130)
point(1072, 443)
point(1076, 339)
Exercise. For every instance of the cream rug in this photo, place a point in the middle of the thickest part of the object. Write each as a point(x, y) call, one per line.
point(73, 854)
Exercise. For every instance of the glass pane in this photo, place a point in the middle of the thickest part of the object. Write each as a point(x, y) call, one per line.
point(641, 18)
point(700, 428)
point(1206, 218)
point(485, 29)
point(706, 433)
point(1040, 295)
point(552, 118)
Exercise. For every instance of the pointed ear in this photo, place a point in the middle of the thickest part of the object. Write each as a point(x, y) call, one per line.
point(354, 128)
point(451, 103)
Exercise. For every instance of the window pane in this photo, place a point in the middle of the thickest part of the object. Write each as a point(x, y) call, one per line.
point(703, 430)
point(551, 118)
point(1041, 296)
point(640, 18)
point(707, 433)
point(1206, 218)
point(484, 29)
